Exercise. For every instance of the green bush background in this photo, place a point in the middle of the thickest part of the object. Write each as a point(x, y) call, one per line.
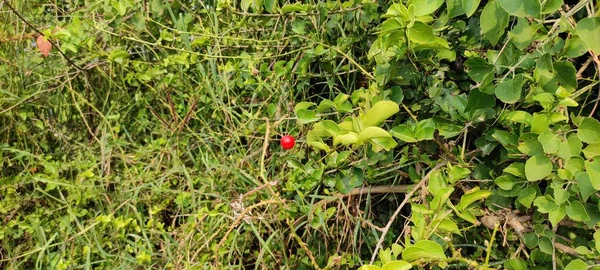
point(148, 138)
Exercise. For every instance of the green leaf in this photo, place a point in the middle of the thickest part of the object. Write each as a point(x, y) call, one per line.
point(561, 195)
point(448, 226)
point(593, 169)
point(478, 100)
point(521, 8)
point(297, 7)
point(588, 30)
point(550, 142)
point(269, 5)
point(575, 47)
point(576, 211)
point(545, 204)
point(396, 265)
point(551, 6)
point(423, 249)
point(118, 55)
point(381, 111)
point(523, 33)
point(572, 147)
point(426, 7)
point(316, 142)
point(472, 196)
point(585, 185)
point(576, 264)
point(526, 196)
point(589, 130)
point(556, 215)
point(566, 75)
point(422, 34)
point(404, 132)
point(530, 146)
point(592, 151)
point(369, 267)
point(303, 106)
point(245, 4)
point(597, 240)
point(470, 6)
point(478, 68)
point(458, 173)
point(425, 130)
point(496, 20)
point(454, 8)
point(537, 168)
point(516, 168)
point(505, 182)
point(325, 105)
point(383, 143)
point(520, 117)
point(545, 245)
point(331, 127)
point(540, 123)
point(307, 116)
point(509, 91)
point(345, 138)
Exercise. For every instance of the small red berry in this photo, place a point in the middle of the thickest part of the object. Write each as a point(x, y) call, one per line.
point(287, 142)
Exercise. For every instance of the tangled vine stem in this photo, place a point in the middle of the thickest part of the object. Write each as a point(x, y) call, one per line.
point(409, 195)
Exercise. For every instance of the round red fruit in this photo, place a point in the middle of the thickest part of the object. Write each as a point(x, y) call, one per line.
point(287, 142)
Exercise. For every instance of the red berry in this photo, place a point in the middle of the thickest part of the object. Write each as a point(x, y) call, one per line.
point(287, 142)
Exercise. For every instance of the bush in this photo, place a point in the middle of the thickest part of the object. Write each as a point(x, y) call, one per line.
point(430, 134)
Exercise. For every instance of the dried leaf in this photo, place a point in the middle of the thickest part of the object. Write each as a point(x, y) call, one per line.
point(44, 45)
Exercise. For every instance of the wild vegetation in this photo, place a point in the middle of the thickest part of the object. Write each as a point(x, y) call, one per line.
point(429, 134)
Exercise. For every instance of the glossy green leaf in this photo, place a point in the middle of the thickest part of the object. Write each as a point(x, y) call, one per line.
point(472, 196)
point(425, 130)
point(556, 215)
point(551, 6)
point(540, 123)
point(404, 132)
point(526, 196)
point(396, 265)
point(478, 68)
point(537, 168)
point(509, 91)
point(519, 117)
point(325, 105)
point(423, 249)
point(307, 116)
point(496, 21)
point(576, 264)
point(523, 33)
point(544, 204)
point(589, 130)
point(588, 30)
point(345, 138)
point(586, 189)
point(381, 111)
point(577, 212)
point(470, 6)
point(593, 170)
point(521, 8)
point(478, 100)
point(550, 142)
point(426, 7)
point(575, 47)
point(505, 181)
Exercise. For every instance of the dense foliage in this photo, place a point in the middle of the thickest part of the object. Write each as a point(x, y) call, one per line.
point(457, 134)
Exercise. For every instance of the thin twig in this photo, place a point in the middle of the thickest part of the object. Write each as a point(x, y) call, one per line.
point(40, 32)
point(387, 227)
